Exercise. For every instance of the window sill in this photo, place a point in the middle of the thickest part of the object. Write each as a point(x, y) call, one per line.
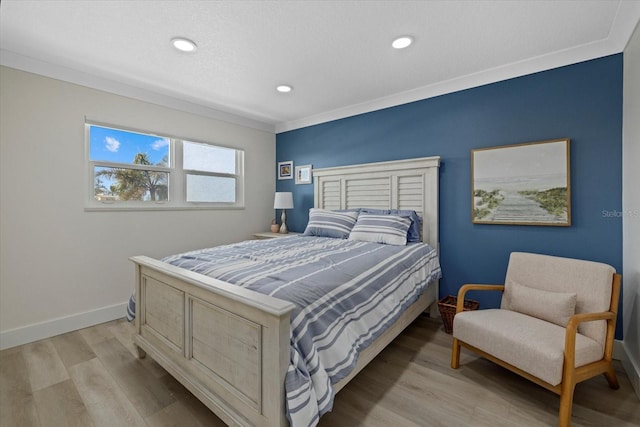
point(112, 208)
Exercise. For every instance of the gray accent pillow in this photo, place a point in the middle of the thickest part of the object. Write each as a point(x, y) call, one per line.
point(554, 307)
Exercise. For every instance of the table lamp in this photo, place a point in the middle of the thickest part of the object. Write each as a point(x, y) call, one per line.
point(283, 200)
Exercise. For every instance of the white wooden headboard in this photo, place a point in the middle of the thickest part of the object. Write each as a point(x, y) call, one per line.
point(400, 184)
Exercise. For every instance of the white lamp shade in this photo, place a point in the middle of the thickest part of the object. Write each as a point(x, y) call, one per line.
point(283, 200)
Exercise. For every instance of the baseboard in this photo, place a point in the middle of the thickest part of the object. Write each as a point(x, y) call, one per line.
point(630, 365)
point(619, 352)
point(61, 325)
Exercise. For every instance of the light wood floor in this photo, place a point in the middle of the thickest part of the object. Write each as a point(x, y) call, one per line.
point(92, 378)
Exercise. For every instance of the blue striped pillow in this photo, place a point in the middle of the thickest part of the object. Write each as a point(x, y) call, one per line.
point(326, 223)
point(387, 229)
point(415, 229)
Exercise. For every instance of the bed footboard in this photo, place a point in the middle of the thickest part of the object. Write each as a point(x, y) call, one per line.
point(240, 380)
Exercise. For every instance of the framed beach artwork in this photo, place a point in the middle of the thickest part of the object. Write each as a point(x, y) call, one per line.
point(285, 170)
point(522, 184)
point(303, 174)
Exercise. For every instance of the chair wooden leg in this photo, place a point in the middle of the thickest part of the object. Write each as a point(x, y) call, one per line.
point(612, 379)
point(455, 354)
point(141, 353)
point(566, 403)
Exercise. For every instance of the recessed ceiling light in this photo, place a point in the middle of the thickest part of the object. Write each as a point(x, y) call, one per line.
point(402, 42)
point(284, 88)
point(183, 45)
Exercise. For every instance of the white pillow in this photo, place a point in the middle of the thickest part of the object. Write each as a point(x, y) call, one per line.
point(326, 223)
point(387, 229)
point(554, 307)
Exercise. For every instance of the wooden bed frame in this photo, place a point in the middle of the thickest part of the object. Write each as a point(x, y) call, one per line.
point(180, 314)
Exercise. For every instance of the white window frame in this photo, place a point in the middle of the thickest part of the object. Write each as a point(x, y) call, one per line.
point(177, 181)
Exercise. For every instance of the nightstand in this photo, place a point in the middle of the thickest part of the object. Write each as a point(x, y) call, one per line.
point(270, 235)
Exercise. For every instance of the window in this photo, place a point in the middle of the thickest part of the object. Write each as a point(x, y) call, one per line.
point(209, 172)
point(134, 170)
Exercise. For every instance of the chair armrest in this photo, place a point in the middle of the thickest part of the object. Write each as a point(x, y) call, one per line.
point(473, 287)
point(576, 319)
point(572, 330)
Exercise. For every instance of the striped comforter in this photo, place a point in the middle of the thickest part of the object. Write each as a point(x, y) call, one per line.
point(346, 294)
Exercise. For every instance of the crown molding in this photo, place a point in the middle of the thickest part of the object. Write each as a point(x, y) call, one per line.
point(70, 75)
point(622, 28)
point(493, 75)
point(624, 24)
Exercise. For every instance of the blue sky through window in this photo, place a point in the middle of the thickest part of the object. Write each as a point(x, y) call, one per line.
point(114, 145)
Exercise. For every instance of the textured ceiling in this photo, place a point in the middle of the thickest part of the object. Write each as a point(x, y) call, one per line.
point(336, 54)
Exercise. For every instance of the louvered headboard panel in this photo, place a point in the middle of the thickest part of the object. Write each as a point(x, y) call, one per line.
point(370, 192)
point(331, 194)
point(401, 184)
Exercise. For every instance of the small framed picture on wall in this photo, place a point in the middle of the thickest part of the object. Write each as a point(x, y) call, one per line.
point(303, 174)
point(285, 170)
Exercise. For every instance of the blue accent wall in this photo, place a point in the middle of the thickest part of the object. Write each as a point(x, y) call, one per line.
point(582, 102)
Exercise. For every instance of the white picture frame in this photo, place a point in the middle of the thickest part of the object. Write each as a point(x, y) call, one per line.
point(304, 174)
point(285, 170)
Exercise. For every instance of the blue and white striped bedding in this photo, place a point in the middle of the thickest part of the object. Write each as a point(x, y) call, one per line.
point(346, 294)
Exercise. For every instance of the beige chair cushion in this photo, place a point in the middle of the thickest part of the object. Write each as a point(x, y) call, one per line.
point(528, 343)
point(554, 307)
point(591, 281)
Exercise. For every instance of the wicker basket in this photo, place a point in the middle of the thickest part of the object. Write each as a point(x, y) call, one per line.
point(447, 307)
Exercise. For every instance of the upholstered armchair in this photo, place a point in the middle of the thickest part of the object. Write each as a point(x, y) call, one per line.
point(555, 325)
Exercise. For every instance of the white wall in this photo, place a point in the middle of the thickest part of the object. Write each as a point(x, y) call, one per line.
point(62, 268)
point(631, 209)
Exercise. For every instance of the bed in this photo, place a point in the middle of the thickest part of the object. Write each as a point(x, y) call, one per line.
point(180, 312)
